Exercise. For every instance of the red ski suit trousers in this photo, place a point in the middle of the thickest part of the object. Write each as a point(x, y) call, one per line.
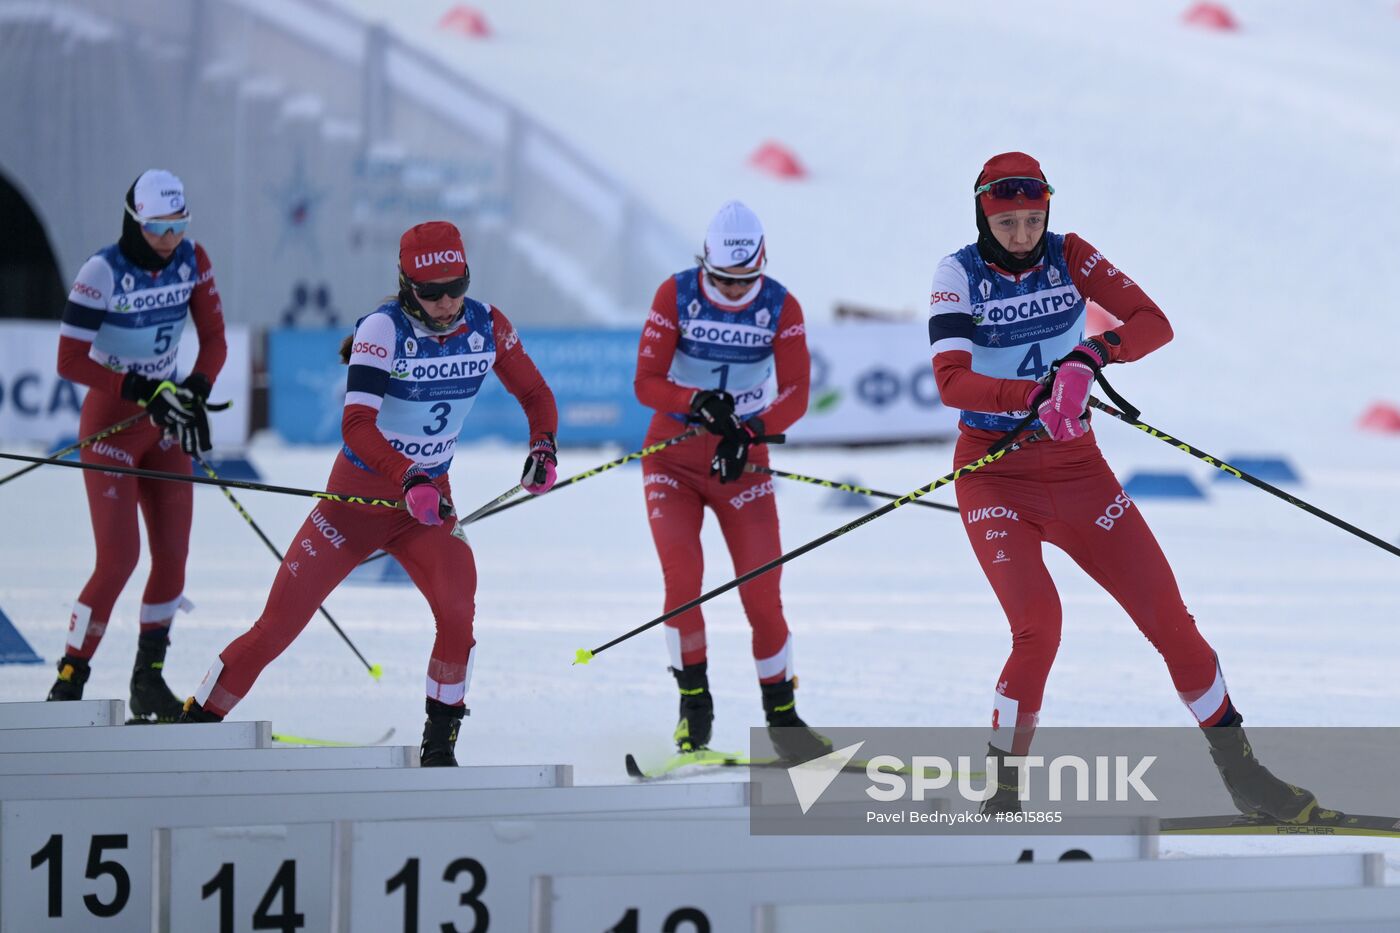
point(1063, 493)
point(335, 537)
point(678, 489)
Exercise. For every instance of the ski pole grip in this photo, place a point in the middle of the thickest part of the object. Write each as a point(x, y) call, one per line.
point(770, 439)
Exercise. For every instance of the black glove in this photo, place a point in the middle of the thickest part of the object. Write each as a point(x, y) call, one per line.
point(731, 454)
point(174, 409)
point(198, 383)
point(715, 412)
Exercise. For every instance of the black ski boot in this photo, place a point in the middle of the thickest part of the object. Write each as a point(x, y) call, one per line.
point(72, 674)
point(792, 738)
point(151, 699)
point(440, 735)
point(1006, 798)
point(1253, 788)
point(193, 712)
point(697, 710)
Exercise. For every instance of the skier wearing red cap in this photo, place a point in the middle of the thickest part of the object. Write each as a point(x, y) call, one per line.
point(416, 364)
point(724, 348)
point(1006, 324)
point(120, 336)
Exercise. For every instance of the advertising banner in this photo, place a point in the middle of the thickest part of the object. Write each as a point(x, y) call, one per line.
point(871, 383)
point(38, 407)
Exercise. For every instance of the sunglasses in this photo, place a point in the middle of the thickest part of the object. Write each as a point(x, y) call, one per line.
point(160, 227)
point(732, 280)
point(435, 291)
point(1008, 189)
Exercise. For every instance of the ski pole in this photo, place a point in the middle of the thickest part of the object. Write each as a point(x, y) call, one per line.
point(375, 671)
point(446, 510)
point(78, 445)
point(844, 487)
point(580, 477)
point(492, 504)
point(584, 655)
point(464, 521)
point(1241, 474)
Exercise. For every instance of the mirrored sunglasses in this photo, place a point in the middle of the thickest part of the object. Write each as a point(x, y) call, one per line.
point(161, 227)
point(1008, 189)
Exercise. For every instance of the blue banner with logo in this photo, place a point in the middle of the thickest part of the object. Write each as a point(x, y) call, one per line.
point(589, 371)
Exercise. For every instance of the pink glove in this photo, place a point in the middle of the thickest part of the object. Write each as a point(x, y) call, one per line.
point(1062, 407)
point(539, 466)
point(421, 496)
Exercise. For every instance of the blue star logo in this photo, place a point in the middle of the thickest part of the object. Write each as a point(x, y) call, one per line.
point(298, 201)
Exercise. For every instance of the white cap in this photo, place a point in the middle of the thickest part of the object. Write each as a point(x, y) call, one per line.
point(735, 238)
point(158, 193)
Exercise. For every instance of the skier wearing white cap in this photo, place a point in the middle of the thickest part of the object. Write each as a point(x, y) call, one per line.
point(120, 335)
point(724, 348)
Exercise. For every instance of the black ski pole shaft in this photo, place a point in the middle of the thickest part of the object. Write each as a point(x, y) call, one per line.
point(77, 445)
point(584, 655)
point(1241, 474)
point(374, 669)
point(228, 483)
point(844, 487)
point(586, 474)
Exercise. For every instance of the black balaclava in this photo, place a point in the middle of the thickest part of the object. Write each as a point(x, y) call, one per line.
point(1009, 165)
point(993, 252)
point(133, 245)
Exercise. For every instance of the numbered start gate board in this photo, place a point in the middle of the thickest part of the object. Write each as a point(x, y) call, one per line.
point(701, 902)
point(476, 876)
point(85, 864)
point(210, 759)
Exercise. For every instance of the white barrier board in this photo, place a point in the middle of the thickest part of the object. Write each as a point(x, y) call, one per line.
point(43, 715)
point(1295, 908)
point(129, 738)
point(232, 879)
point(62, 861)
point(727, 900)
point(214, 783)
point(209, 759)
point(461, 872)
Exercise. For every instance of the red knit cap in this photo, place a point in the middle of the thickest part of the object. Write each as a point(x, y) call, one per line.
point(432, 250)
point(1011, 165)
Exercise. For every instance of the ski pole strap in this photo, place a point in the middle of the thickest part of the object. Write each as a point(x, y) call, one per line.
point(1126, 406)
point(769, 439)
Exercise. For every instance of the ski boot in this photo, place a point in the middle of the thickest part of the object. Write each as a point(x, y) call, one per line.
point(1006, 798)
point(72, 674)
point(440, 735)
point(697, 707)
point(193, 713)
point(792, 738)
point(151, 699)
point(1253, 788)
